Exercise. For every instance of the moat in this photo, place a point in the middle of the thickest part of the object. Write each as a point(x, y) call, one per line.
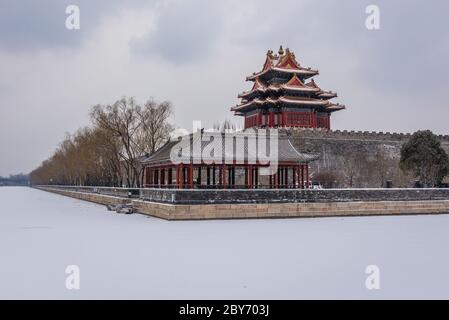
point(135, 256)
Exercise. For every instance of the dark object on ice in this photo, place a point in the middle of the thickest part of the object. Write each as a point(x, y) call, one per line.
point(418, 184)
point(389, 184)
point(121, 208)
point(443, 185)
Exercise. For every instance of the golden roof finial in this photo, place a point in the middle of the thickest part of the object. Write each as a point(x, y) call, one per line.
point(281, 51)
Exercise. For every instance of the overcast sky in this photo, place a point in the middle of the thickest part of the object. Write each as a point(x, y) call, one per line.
point(197, 54)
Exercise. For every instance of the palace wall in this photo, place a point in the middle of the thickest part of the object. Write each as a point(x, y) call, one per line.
point(355, 158)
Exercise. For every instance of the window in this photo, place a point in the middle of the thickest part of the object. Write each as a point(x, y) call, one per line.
point(251, 121)
point(298, 119)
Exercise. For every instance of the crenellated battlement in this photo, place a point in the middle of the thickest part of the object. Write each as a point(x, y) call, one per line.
point(354, 135)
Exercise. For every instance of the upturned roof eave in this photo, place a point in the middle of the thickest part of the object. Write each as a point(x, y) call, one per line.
point(307, 72)
point(280, 100)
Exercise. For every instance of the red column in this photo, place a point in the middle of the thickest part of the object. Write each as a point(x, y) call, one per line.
point(256, 177)
point(294, 177)
point(307, 175)
point(223, 172)
point(170, 176)
point(250, 178)
point(281, 177)
point(191, 176)
point(181, 176)
point(147, 176)
point(275, 178)
point(286, 177)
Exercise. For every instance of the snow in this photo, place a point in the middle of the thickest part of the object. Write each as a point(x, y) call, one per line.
point(134, 256)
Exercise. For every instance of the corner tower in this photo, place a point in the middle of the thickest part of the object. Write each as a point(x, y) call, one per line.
point(284, 94)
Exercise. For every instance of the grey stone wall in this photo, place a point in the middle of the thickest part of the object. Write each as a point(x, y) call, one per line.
point(175, 196)
point(236, 196)
point(356, 158)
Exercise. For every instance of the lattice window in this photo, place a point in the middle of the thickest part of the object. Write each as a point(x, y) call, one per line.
point(251, 121)
point(298, 119)
point(323, 122)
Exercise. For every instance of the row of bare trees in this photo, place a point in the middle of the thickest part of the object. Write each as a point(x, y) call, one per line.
point(108, 152)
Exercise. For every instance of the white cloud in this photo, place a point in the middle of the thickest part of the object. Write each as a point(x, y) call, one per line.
point(136, 51)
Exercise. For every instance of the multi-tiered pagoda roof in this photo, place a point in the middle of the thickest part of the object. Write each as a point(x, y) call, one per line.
point(283, 94)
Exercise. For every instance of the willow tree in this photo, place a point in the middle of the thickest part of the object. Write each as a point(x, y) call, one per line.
point(138, 129)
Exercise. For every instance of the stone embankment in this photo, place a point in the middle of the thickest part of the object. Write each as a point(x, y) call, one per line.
point(424, 203)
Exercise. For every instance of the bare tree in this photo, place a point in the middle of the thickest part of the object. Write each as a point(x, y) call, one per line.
point(109, 152)
point(156, 128)
point(139, 130)
point(120, 121)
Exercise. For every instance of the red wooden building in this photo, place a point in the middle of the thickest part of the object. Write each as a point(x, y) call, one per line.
point(284, 96)
point(196, 168)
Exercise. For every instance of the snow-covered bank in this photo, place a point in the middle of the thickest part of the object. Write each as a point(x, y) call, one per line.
point(123, 256)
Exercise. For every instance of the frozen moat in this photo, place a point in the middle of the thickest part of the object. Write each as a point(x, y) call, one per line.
point(134, 256)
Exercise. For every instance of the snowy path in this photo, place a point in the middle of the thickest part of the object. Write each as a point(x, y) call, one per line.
point(135, 256)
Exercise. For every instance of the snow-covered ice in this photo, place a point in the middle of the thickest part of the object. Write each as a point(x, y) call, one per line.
point(134, 256)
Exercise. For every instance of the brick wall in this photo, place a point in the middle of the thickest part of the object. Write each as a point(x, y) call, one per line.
point(289, 210)
point(357, 158)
